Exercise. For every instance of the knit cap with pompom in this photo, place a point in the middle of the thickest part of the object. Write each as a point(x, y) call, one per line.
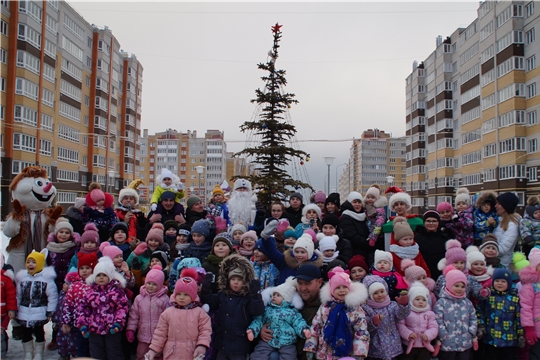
point(110, 250)
point(62, 223)
point(473, 255)
point(90, 234)
point(412, 271)
point(453, 276)
point(401, 228)
point(156, 233)
point(186, 283)
point(462, 195)
point(520, 261)
point(454, 253)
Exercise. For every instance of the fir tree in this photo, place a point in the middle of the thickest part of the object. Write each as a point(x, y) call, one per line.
point(272, 154)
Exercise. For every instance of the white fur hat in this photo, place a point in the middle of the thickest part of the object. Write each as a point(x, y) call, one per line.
point(462, 195)
point(305, 242)
point(287, 289)
point(166, 173)
point(473, 254)
point(376, 192)
point(418, 289)
point(403, 197)
point(314, 207)
point(383, 255)
point(354, 195)
point(128, 192)
point(239, 183)
point(106, 266)
point(328, 243)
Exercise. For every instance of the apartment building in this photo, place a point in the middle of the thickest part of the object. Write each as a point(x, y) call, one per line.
point(374, 158)
point(472, 106)
point(70, 100)
point(199, 162)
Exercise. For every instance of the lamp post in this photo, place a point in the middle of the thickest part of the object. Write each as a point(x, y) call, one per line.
point(200, 170)
point(389, 181)
point(111, 176)
point(329, 160)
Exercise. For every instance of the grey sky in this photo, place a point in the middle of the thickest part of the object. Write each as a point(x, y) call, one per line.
point(346, 63)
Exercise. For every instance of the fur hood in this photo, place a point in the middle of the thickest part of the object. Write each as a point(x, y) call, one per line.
point(528, 275)
point(357, 296)
point(231, 262)
point(116, 276)
point(47, 274)
point(9, 273)
point(381, 202)
point(316, 259)
point(486, 195)
point(297, 301)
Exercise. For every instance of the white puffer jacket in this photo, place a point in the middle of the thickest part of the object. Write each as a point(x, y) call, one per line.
point(37, 296)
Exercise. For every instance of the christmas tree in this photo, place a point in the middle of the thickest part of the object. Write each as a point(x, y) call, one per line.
point(273, 154)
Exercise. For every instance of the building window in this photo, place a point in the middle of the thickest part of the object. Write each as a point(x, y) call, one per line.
point(532, 118)
point(3, 56)
point(3, 27)
point(46, 122)
point(530, 36)
point(533, 174)
point(24, 142)
point(529, 9)
point(87, 81)
point(2, 112)
point(68, 155)
point(67, 175)
point(532, 146)
point(68, 133)
point(86, 100)
point(531, 90)
point(3, 84)
point(531, 63)
point(25, 115)
point(45, 147)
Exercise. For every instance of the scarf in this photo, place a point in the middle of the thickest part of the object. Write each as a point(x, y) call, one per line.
point(121, 207)
point(244, 252)
point(356, 216)
point(494, 261)
point(454, 295)
point(378, 305)
point(418, 310)
point(88, 251)
point(60, 248)
point(181, 247)
point(34, 234)
point(191, 305)
point(337, 329)
point(214, 260)
point(485, 276)
point(409, 252)
point(332, 258)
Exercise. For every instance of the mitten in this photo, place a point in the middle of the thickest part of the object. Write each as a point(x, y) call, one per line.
point(180, 186)
point(221, 224)
point(521, 341)
point(207, 282)
point(376, 319)
point(269, 229)
point(402, 300)
point(115, 328)
point(84, 331)
point(250, 335)
point(372, 242)
point(480, 332)
point(135, 264)
point(254, 287)
point(484, 293)
point(475, 344)
point(153, 207)
point(130, 335)
point(530, 334)
point(283, 224)
point(260, 207)
point(141, 248)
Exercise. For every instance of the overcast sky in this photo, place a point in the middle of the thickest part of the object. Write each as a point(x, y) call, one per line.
point(346, 63)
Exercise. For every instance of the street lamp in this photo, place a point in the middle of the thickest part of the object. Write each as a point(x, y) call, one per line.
point(111, 176)
point(390, 181)
point(329, 161)
point(200, 170)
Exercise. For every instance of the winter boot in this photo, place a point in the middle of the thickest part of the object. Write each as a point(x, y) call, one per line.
point(38, 353)
point(28, 350)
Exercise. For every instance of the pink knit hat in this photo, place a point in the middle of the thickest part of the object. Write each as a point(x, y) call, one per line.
point(412, 271)
point(90, 234)
point(110, 250)
point(444, 206)
point(534, 257)
point(452, 277)
point(156, 275)
point(454, 252)
point(96, 195)
point(339, 277)
point(156, 233)
point(319, 197)
point(187, 283)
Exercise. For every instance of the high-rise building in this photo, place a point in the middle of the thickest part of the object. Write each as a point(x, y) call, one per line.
point(374, 158)
point(472, 106)
point(70, 100)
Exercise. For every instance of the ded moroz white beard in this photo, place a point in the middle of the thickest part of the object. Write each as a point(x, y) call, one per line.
point(240, 207)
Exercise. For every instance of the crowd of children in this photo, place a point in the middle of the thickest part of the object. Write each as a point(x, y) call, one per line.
point(208, 290)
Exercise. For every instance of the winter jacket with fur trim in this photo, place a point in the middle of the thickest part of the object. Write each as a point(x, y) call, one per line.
point(285, 262)
point(500, 316)
point(457, 322)
point(37, 296)
point(357, 321)
point(145, 312)
point(529, 295)
point(175, 344)
point(418, 323)
point(103, 306)
point(507, 240)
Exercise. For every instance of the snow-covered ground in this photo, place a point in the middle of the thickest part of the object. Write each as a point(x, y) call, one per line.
point(15, 348)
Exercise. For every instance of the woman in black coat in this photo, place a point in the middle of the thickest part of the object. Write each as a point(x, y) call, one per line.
point(431, 239)
point(353, 223)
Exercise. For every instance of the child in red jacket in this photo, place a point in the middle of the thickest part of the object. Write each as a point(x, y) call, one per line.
point(403, 246)
point(8, 305)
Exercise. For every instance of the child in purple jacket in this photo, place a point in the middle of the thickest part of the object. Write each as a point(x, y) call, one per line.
point(462, 223)
point(103, 311)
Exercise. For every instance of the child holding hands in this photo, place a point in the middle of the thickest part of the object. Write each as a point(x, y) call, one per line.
point(382, 316)
point(285, 321)
point(339, 328)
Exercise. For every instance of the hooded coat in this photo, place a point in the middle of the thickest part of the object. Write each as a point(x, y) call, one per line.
point(457, 322)
point(145, 312)
point(286, 262)
point(75, 293)
point(385, 339)
point(355, 229)
point(37, 296)
point(529, 295)
point(236, 310)
point(418, 323)
point(481, 226)
point(285, 320)
point(8, 294)
point(357, 322)
point(463, 227)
